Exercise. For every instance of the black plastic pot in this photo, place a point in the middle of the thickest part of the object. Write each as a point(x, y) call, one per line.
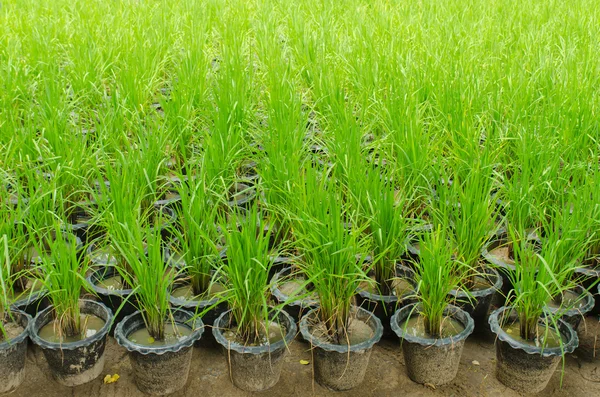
point(341, 367)
point(255, 368)
point(13, 353)
point(524, 367)
point(295, 308)
point(32, 303)
point(478, 303)
point(280, 263)
point(384, 306)
point(574, 316)
point(160, 370)
point(80, 223)
point(74, 363)
point(244, 202)
point(172, 199)
point(428, 360)
point(170, 217)
point(121, 302)
point(215, 309)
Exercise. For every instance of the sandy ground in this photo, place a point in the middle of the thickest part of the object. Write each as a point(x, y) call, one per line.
point(386, 375)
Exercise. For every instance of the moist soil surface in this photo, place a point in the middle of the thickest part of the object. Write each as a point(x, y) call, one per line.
point(386, 375)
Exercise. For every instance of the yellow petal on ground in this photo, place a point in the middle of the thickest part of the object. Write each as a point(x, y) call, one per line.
point(111, 379)
point(304, 362)
point(475, 362)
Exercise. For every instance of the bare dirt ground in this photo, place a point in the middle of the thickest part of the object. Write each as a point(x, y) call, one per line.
point(386, 375)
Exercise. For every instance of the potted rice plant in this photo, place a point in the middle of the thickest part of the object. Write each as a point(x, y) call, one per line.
point(389, 227)
point(195, 250)
point(255, 334)
point(467, 208)
point(531, 341)
point(72, 331)
point(341, 334)
point(433, 331)
point(159, 339)
point(14, 326)
point(564, 246)
point(117, 204)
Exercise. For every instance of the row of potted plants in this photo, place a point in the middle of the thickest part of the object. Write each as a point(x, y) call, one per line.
point(225, 260)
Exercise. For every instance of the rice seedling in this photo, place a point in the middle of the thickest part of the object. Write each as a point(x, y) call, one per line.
point(147, 271)
point(246, 276)
point(197, 240)
point(437, 273)
point(63, 277)
point(333, 252)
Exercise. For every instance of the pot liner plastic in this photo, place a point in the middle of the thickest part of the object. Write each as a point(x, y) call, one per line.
point(451, 311)
point(361, 313)
point(223, 321)
point(565, 329)
point(87, 307)
point(135, 321)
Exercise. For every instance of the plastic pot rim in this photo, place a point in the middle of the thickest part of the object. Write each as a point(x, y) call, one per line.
point(568, 347)
point(371, 320)
point(496, 286)
point(283, 298)
point(453, 311)
point(197, 330)
point(35, 337)
point(389, 298)
point(7, 344)
point(291, 329)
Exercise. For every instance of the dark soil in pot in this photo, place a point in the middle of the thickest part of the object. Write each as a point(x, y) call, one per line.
point(256, 367)
point(78, 359)
point(108, 285)
point(183, 297)
point(160, 367)
point(432, 360)
point(288, 283)
point(526, 366)
point(478, 301)
point(342, 366)
point(13, 350)
point(384, 306)
point(574, 305)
